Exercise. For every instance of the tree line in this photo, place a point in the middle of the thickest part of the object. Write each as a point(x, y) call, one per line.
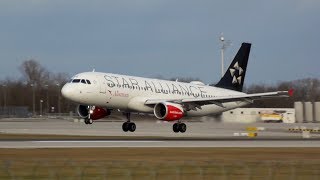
point(38, 87)
point(304, 90)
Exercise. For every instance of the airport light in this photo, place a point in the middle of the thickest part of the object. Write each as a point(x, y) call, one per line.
point(33, 100)
point(225, 44)
point(47, 101)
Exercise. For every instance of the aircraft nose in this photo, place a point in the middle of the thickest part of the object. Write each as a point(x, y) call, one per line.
point(66, 91)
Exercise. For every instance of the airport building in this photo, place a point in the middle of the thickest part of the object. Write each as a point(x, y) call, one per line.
point(250, 115)
point(303, 112)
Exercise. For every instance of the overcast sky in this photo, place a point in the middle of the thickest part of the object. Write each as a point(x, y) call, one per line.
point(167, 38)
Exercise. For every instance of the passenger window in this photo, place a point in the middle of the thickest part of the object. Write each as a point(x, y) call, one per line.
point(76, 81)
point(88, 82)
point(83, 81)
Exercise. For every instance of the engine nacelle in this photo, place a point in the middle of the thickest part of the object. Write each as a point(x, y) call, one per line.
point(83, 111)
point(95, 112)
point(168, 111)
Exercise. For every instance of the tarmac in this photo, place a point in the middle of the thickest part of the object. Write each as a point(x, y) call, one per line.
point(156, 134)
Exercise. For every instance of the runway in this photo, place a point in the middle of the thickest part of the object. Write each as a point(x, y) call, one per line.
point(208, 129)
point(149, 134)
point(156, 143)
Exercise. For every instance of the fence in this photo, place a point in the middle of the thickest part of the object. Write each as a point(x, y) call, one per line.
point(14, 111)
point(72, 169)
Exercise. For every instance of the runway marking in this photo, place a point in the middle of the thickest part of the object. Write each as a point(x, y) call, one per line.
point(152, 144)
point(160, 139)
point(95, 141)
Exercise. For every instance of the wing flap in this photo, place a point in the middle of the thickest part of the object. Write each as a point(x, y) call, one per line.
point(221, 99)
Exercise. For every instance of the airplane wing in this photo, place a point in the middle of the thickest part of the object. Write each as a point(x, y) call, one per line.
point(198, 102)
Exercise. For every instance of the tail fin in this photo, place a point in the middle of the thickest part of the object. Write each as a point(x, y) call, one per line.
point(234, 77)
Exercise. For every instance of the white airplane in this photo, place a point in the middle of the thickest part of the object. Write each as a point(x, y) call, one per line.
point(99, 93)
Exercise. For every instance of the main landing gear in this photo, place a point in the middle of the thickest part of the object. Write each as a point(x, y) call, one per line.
point(179, 127)
point(128, 126)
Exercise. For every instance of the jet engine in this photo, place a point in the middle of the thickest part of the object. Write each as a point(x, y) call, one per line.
point(95, 112)
point(168, 111)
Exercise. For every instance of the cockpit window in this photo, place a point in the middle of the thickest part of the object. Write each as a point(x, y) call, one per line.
point(84, 81)
point(76, 81)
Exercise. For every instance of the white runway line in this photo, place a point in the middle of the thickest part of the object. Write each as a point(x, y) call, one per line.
point(95, 141)
point(153, 144)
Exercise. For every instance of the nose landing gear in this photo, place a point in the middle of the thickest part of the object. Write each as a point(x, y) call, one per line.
point(88, 120)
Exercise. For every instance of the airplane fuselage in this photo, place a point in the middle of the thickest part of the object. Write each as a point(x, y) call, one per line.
point(129, 93)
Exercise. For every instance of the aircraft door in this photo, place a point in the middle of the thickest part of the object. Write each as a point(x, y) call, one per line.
point(103, 86)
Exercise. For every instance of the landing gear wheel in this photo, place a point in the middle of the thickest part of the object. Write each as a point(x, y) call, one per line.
point(132, 127)
point(125, 126)
point(88, 121)
point(128, 126)
point(179, 127)
point(175, 127)
point(182, 127)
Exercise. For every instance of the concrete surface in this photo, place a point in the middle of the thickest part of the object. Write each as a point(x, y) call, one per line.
point(207, 134)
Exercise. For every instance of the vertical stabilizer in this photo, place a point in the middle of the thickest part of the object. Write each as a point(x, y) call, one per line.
point(233, 78)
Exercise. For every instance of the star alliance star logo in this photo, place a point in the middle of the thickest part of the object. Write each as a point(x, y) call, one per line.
point(236, 73)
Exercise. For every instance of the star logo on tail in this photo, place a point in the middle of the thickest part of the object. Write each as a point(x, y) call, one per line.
point(236, 73)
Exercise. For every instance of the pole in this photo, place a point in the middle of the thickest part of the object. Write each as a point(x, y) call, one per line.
point(59, 99)
point(224, 45)
point(47, 86)
point(222, 54)
point(5, 111)
point(41, 101)
point(4, 96)
point(222, 61)
point(33, 100)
